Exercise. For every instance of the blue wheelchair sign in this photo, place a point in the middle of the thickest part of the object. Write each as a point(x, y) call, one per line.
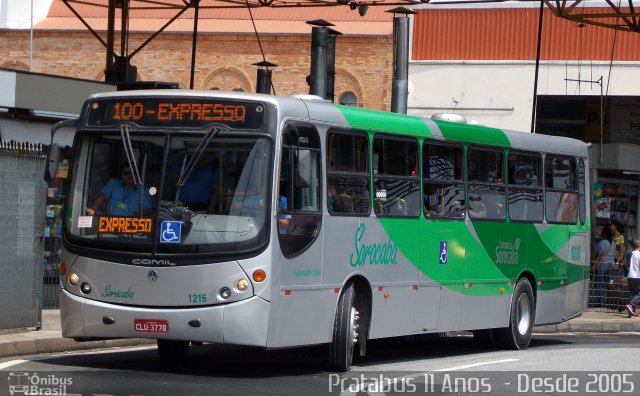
point(170, 232)
point(443, 253)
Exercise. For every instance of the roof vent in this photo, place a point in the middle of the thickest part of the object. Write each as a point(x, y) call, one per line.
point(449, 117)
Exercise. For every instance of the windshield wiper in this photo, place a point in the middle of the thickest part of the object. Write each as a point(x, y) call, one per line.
point(131, 160)
point(128, 151)
point(185, 171)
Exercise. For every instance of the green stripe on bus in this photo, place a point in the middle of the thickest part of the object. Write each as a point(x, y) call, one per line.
point(472, 134)
point(490, 263)
point(372, 120)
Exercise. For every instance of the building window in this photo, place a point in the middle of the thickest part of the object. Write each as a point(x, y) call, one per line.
point(349, 99)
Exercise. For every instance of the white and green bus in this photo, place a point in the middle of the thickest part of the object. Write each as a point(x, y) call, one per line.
point(277, 222)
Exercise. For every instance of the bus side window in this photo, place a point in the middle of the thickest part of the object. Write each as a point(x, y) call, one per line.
point(525, 187)
point(486, 191)
point(348, 173)
point(443, 185)
point(561, 190)
point(298, 189)
point(396, 184)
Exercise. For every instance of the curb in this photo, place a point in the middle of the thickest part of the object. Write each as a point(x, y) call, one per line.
point(623, 325)
point(51, 345)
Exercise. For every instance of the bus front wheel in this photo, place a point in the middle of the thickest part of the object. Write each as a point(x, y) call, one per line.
point(170, 350)
point(345, 331)
point(521, 317)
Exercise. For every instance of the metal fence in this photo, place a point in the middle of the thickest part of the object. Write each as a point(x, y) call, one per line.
point(22, 208)
point(608, 291)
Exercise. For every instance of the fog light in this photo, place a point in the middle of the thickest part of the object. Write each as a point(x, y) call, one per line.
point(225, 292)
point(74, 278)
point(85, 288)
point(242, 284)
point(259, 275)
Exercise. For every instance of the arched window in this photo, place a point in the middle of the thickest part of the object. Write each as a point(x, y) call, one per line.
point(349, 99)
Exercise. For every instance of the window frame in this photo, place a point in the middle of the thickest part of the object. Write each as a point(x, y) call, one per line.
point(547, 189)
point(366, 175)
point(384, 176)
point(449, 182)
point(539, 189)
point(470, 183)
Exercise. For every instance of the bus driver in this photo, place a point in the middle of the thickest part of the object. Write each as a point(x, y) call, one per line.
point(121, 197)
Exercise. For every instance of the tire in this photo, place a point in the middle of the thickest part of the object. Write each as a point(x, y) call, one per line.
point(345, 332)
point(521, 318)
point(170, 350)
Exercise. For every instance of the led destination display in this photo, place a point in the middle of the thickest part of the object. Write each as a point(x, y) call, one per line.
point(170, 112)
point(124, 225)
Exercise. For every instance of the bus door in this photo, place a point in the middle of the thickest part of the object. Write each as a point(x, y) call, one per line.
point(302, 305)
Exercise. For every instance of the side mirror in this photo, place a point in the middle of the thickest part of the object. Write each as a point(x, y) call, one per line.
point(54, 150)
point(52, 161)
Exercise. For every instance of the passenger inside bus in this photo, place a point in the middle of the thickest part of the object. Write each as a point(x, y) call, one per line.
point(477, 210)
point(567, 208)
point(336, 202)
point(121, 197)
point(284, 220)
point(201, 189)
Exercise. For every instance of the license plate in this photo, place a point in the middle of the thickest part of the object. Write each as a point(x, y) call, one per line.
point(150, 326)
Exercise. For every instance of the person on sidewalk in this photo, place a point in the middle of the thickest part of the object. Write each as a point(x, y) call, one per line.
point(604, 265)
point(634, 279)
point(618, 238)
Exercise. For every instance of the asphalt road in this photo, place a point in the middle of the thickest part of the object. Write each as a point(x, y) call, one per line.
point(554, 364)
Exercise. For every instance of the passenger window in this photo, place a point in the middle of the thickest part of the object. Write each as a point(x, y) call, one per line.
point(486, 191)
point(525, 187)
point(397, 185)
point(561, 193)
point(348, 173)
point(442, 181)
point(298, 200)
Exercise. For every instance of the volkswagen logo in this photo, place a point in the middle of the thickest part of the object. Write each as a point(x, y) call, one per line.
point(152, 275)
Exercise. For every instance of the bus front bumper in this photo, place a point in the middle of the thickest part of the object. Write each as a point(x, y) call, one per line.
point(242, 323)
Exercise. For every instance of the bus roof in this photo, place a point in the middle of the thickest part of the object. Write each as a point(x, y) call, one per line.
point(316, 109)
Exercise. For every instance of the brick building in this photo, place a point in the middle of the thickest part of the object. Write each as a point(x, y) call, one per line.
point(226, 49)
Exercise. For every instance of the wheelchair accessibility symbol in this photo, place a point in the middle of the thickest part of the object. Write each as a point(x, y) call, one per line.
point(170, 231)
point(443, 253)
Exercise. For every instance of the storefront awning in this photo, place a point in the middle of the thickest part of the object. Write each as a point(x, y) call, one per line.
point(26, 131)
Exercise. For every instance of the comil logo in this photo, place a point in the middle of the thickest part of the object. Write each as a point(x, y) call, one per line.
point(21, 383)
point(507, 252)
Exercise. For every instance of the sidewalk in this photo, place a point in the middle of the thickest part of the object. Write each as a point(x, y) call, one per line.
point(49, 339)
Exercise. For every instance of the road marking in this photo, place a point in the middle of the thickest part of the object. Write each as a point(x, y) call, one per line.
point(464, 366)
point(11, 363)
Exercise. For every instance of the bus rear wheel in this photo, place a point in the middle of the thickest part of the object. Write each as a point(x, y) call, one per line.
point(521, 318)
point(345, 332)
point(171, 350)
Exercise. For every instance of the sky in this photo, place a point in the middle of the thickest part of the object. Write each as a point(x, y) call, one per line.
point(16, 14)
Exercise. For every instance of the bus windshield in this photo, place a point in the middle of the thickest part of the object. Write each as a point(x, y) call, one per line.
point(169, 193)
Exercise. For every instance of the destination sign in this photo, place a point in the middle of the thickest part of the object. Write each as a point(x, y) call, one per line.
point(170, 112)
point(124, 225)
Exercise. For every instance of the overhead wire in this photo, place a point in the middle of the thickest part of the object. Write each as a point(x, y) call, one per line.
point(255, 29)
point(613, 50)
